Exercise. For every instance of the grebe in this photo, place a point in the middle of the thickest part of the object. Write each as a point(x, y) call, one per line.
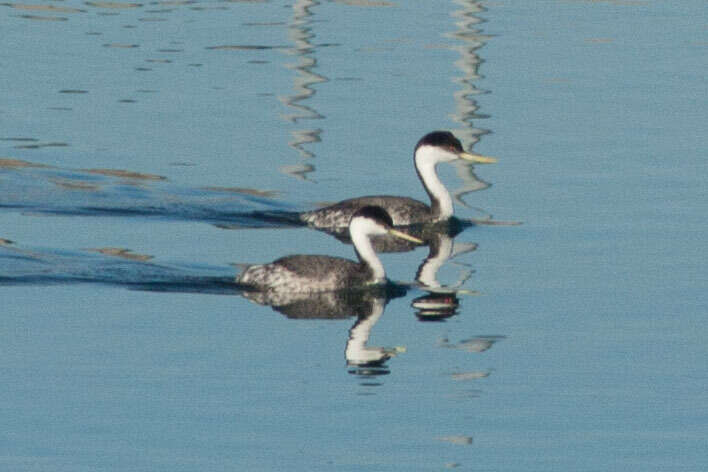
point(305, 273)
point(433, 148)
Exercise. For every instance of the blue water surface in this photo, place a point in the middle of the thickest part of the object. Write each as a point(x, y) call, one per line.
point(579, 341)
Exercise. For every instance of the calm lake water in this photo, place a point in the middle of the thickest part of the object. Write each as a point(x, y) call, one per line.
point(134, 137)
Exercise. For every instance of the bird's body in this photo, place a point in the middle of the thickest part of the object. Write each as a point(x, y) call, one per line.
point(432, 149)
point(307, 273)
point(404, 211)
point(316, 273)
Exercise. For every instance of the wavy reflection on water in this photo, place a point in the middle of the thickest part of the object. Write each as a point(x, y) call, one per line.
point(301, 35)
point(473, 345)
point(466, 107)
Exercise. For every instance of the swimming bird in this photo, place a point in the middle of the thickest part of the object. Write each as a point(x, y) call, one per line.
point(314, 273)
point(432, 149)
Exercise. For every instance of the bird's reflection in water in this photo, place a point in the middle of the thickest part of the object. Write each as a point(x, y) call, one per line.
point(301, 35)
point(366, 305)
point(325, 287)
point(441, 301)
point(469, 39)
point(436, 306)
point(332, 305)
point(321, 287)
point(364, 360)
point(428, 233)
point(442, 249)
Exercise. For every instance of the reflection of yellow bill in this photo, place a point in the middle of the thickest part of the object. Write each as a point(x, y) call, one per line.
point(478, 158)
point(405, 236)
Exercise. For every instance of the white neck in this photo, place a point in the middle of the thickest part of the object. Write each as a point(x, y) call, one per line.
point(426, 159)
point(359, 231)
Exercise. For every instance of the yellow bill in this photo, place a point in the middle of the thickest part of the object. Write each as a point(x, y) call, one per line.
point(405, 236)
point(478, 158)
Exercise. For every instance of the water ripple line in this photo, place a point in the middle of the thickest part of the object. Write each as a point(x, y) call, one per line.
point(42, 190)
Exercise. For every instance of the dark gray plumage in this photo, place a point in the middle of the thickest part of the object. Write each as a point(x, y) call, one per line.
point(404, 211)
point(305, 273)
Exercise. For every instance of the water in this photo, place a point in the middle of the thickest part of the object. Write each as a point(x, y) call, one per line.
point(578, 343)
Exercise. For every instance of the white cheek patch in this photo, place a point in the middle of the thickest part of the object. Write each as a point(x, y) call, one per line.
point(432, 155)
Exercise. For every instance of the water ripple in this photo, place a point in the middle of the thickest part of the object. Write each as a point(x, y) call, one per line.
point(43, 18)
point(39, 189)
point(109, 266)
point(114, 5)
